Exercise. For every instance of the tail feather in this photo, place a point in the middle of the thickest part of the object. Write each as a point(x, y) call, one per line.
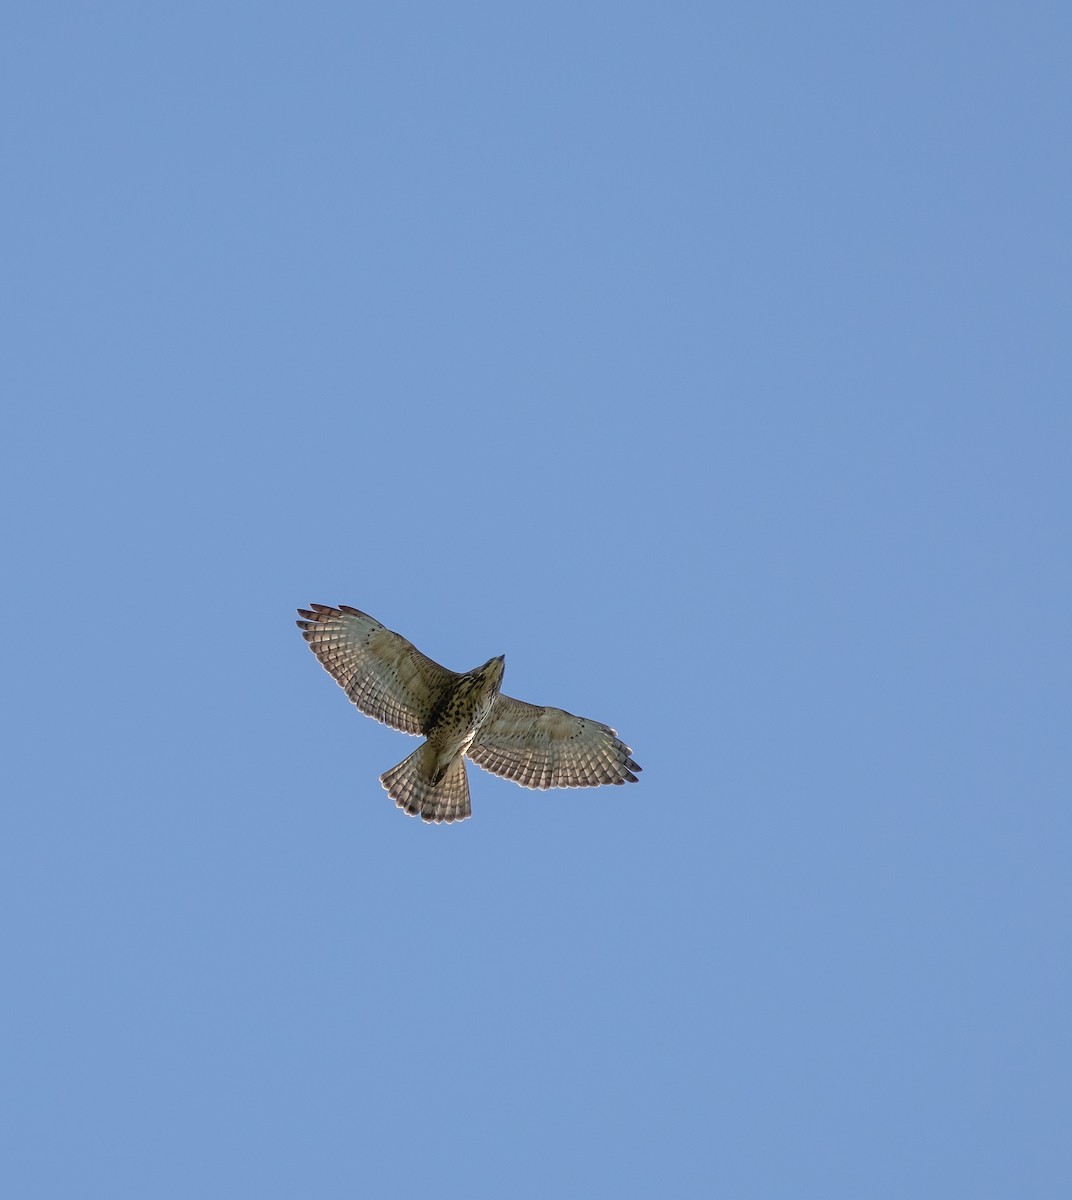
point(409, 787)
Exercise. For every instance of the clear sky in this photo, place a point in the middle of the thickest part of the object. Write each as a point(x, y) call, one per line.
point(709, 361)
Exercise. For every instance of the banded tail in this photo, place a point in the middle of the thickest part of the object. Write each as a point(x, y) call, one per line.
point(409, 785)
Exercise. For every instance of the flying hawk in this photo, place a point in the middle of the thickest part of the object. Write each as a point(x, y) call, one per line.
point(462, 714)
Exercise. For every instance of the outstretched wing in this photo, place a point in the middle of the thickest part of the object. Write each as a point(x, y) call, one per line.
point(384, 675)
point(549, 748)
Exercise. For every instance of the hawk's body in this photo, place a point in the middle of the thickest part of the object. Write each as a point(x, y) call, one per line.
point(459, 715)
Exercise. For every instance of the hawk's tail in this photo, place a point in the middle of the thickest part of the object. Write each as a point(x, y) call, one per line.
point(408, 786)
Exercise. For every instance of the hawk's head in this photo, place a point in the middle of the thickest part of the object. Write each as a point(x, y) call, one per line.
point(484, 685)
point(493, 669)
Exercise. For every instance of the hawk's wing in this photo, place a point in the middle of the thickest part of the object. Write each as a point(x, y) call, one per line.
point(549, 748)
point(384, 675)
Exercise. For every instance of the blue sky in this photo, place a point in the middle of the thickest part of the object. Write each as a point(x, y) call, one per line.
point(711, 362)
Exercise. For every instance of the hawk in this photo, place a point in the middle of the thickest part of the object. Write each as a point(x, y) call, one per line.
point(459, 715)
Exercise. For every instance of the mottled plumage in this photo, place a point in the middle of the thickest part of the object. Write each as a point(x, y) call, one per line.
point(458, 714)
